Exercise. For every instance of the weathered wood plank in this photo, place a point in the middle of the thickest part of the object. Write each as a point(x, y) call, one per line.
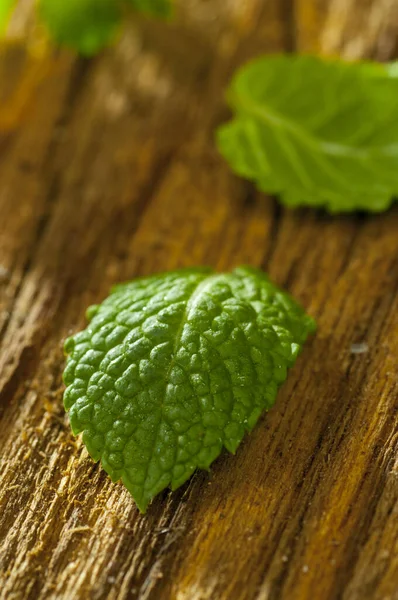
point(111, 172)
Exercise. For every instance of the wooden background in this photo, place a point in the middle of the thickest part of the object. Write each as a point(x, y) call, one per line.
point(107, 171)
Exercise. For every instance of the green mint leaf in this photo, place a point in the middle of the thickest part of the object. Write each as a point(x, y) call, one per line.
point(155, 8)
point(173, 367)
point(83, 25)
point(89, 25)
point(316, 132)
point(6, 7)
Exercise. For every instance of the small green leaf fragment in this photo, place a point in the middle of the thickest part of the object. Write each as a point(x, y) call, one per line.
point(92, 311)
point(316, 132)
point(83, 25)
point(153, 8)
point(6, 7)
point(69, 345)
point(88, 26)
point(174, 367)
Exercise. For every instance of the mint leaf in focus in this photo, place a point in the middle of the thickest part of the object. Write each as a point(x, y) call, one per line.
point(174, 367)
point(316, 132)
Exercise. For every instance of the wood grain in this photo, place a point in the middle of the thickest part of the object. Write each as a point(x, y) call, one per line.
point(107, 171)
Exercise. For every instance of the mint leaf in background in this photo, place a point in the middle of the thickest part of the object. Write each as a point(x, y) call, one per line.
point(83, 25)
point(87, 26)
point(155, 8)
point(173, 367)
point(316, 132)
point(6, 7)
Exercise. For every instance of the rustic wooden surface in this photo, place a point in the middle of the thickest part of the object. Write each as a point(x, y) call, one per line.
point(108, 170)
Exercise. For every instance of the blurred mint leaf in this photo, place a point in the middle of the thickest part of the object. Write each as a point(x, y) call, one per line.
point(6, 7)
point(316, 132)
point(154, 8)
point(89, 25)
point(173, 368)
point(83, 25)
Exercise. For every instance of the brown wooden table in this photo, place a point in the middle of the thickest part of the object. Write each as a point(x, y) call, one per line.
point(108, 170)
